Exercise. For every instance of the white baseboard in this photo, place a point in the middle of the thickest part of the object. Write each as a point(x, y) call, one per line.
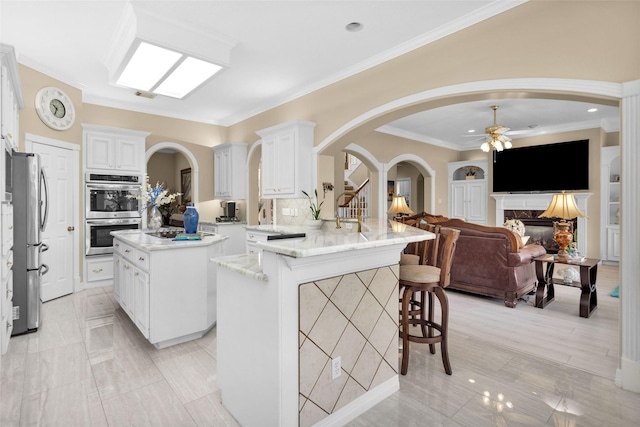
point(361, 404)
point(628, 376)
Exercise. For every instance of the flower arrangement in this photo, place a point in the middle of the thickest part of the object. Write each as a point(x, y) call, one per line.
point(155, 196)
point(515, 225)
point(315, 207)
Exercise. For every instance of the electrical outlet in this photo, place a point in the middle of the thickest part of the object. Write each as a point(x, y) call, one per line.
point(336, 367)
point(295, 212)
point(286, 212)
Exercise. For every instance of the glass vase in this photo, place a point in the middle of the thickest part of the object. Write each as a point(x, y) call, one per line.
point(190, 219)
point(154, 219)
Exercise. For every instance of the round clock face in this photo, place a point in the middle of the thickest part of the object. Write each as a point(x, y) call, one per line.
point(55, 108)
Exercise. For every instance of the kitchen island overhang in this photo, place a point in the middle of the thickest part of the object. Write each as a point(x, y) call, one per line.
point(283, 324)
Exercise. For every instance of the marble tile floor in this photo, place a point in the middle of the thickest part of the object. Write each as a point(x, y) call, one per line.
point(89, 366)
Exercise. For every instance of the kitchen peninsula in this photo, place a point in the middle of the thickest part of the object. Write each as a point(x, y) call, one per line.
point(307, 328)
point(167, 287)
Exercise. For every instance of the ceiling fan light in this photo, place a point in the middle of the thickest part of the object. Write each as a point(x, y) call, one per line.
point(498, 145)
point(485, 147)
point(507, 144)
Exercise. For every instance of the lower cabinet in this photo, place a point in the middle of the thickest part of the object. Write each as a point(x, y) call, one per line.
point(169, 294)
point(613, 243)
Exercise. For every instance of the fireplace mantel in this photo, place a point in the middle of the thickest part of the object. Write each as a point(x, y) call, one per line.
point(540, 201)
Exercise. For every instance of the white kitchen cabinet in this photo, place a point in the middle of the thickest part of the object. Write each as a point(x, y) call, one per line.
point(168, 293)
point(11, 100)
point(468, 191)
point(230, 171)
point(286, 168)
point(236, 233)
point(254, 236)
point(112, 149)
point(610, 203)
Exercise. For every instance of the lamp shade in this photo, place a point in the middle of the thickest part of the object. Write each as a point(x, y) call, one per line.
point(399, 206)
point(563, 205)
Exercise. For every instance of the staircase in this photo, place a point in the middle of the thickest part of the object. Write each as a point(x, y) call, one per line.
point(355, 199)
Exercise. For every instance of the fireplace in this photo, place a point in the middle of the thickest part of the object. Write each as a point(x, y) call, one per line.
point(527, 207)
point(539, 230)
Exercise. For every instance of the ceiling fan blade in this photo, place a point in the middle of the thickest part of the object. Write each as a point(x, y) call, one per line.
point(518, 132)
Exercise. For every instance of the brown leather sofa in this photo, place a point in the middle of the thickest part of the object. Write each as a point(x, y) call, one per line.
point(489, 261)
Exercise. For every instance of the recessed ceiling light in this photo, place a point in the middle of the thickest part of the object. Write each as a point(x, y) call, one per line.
point(471, 130)
point(532, 126)
point(354, 26)
point(592, 110)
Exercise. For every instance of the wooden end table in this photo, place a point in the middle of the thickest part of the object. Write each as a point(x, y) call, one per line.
point(588, 274)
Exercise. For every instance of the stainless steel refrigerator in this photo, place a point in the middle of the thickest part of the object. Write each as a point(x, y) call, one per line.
point(30, 209)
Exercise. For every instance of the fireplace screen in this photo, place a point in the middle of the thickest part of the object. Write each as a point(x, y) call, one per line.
point(539, 230)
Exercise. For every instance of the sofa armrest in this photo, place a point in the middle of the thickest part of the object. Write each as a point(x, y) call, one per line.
point(525, 255)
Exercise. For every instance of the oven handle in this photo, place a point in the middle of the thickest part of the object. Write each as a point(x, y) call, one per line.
point(114, 186)
point(113, 221)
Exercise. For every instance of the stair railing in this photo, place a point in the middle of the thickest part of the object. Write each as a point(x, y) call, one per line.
point(359, 199)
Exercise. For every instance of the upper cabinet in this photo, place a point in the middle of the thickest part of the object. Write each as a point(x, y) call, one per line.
point(230, 171)
point(11, 96)
point(286, 160)
point(468, 190)
point(112, 149)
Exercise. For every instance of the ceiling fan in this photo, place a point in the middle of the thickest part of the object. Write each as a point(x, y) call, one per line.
point(496, 137)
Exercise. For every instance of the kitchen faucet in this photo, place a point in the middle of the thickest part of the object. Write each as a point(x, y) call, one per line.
point(358, 209)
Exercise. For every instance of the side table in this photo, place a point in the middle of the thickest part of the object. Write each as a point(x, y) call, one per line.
point(588, 274)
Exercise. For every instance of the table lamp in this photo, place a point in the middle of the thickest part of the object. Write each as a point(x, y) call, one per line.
point(399, 207)
point(562, 206)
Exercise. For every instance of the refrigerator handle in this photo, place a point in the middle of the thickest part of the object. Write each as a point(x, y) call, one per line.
point(44, 267)
point(43, 225)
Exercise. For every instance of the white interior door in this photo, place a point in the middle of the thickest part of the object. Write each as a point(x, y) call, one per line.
point(60, 165)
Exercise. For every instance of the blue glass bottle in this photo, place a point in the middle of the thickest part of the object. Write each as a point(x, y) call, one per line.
point(190, 219)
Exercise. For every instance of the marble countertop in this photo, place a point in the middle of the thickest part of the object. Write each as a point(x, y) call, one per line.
point(248, 264)
point(141, 240)
point(328, 240)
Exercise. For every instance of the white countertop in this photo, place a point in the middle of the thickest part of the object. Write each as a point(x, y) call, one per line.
point(328, 240)
point(141, 240)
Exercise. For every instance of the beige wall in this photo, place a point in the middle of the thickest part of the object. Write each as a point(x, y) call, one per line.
point(538, 39)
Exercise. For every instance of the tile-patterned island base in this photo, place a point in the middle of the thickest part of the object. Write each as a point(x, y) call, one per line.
point(353, 317)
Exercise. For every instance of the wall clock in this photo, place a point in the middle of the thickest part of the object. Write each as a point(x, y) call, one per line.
point(55, 108)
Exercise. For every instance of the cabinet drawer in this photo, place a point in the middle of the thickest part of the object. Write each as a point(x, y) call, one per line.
point(99, 269)
point(127, 252)
point(141, 259)
point(6, 327)
point(7, 294)
point(7, 227)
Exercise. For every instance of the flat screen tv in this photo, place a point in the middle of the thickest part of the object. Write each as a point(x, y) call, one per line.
point(542, 168)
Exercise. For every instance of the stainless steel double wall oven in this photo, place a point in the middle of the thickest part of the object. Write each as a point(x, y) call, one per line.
point(111, 205)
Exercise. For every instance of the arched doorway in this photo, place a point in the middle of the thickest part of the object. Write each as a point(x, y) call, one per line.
point(628, 96)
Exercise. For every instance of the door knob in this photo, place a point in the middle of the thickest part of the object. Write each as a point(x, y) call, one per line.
point(70, 228)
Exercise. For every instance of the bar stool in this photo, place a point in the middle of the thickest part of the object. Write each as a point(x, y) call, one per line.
point(427, 280)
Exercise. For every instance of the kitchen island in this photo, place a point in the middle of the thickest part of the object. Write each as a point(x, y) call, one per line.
point(167, 287)
point(307, 328)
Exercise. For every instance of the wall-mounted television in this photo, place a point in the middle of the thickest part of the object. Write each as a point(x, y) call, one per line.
point(542, 168)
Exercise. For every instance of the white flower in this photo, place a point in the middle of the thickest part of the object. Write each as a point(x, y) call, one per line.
point(155, 196)
point(515, 225)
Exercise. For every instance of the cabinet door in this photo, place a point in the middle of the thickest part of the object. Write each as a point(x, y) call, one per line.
point(128, 154)
point(126, 287)
point(613, 244)
point(116, 278)
point(222, 172)
point(141, 301)
point(458, 200)
point(278, 164)
point(477, 201)
point(100, 151)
